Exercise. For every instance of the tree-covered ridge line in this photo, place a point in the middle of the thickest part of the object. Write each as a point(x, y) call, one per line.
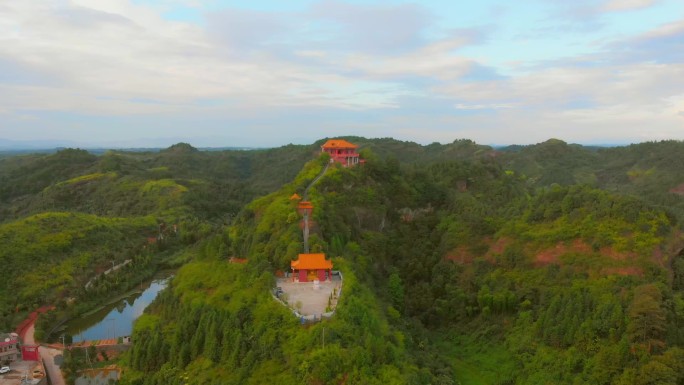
point(68, 214)
point(109, 184)
point(525, 306)
point(651, 170)
point(64, 216)
point(566, 224)
point(361, 347)
point(217, 324)
point(550, 263)
point(48, 257)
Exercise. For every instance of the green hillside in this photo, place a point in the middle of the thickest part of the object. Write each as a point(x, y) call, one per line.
point(219, 325)
point(653, 171)
point(48, 257)
point(488, 278)
point(66, 217)
point(545, 264)
point(178, 180)
point(252, 339)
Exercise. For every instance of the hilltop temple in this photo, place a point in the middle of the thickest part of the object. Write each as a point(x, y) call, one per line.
point(342, 152)
point(310, 267)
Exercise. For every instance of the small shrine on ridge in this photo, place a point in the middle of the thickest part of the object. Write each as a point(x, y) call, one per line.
point(309, 266)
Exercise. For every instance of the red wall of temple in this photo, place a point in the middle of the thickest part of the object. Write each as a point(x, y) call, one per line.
point(321, 275)
point(302, 275)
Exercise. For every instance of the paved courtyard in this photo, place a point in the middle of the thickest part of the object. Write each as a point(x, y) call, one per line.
point(313, 299)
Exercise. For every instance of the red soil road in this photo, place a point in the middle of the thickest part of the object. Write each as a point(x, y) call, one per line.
point(31, 319)
point(47, 354)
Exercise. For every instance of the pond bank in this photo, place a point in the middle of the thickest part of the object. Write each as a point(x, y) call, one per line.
point(116, 318)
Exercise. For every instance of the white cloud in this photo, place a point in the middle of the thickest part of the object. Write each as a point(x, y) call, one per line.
point(436, 60)
point(123, 59)
point(127, 52)
point(374, 29)
point(628, 5)
point(461, 106)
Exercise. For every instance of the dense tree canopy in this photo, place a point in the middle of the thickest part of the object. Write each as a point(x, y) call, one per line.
point(551, 263)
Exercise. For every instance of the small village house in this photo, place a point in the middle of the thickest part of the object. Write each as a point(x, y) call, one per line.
point(9, 348)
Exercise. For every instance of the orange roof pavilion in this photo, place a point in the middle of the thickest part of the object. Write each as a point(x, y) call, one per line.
point(338, 143)
point(342, 152)
point(305, 205)
point(311, 262)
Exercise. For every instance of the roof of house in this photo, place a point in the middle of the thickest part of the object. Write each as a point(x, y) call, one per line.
point(338, 143)
point(295, 197)
point(7, 338)
point(311, 262)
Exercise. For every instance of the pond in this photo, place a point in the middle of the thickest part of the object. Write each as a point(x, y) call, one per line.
point(116, 319)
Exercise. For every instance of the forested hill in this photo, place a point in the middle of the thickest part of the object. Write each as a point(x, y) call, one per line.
point(652, 170)
point(116, 182)
point(218, 324)
point(476, 269)
point(67, 217)
point(463, 263)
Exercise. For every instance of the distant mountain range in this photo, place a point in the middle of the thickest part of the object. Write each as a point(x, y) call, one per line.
point(50, 146)
point(18, 145)
point(157, 144)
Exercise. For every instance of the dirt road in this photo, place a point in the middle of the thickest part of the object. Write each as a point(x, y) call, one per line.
point(48, 355)
point(28, 337)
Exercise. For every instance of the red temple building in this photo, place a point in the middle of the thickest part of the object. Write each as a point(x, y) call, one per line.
point(342, 152)
point(309, 267)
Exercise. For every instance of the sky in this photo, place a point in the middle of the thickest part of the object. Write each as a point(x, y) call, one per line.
point(215, 73)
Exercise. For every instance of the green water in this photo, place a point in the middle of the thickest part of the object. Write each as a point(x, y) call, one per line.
point(115, 320)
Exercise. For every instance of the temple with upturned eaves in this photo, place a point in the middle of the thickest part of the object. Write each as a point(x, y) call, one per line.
point(342, 152)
